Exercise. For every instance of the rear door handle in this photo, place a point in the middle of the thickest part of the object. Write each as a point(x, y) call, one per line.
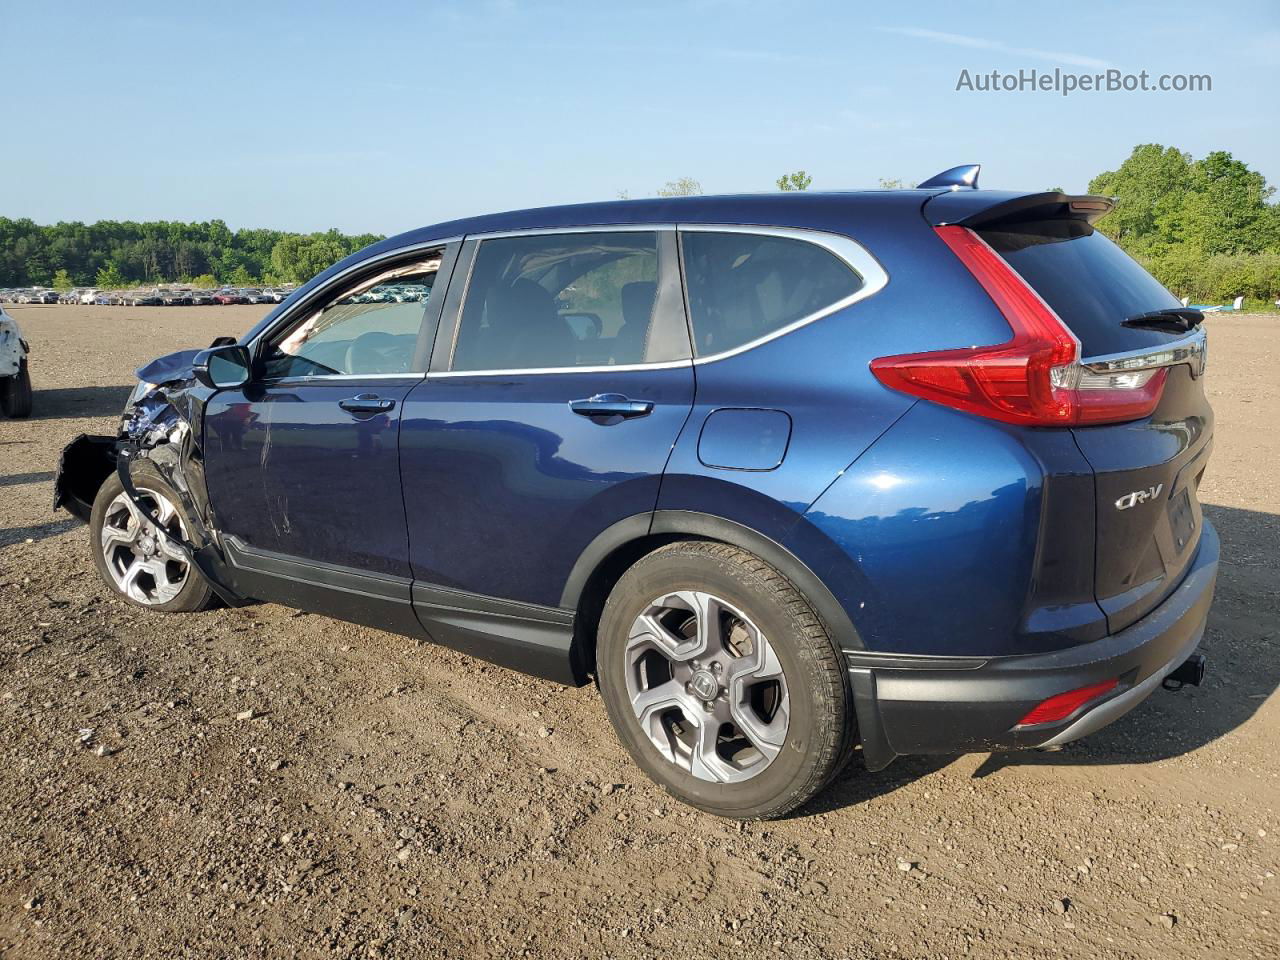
point(366, 403)
point(611, 405)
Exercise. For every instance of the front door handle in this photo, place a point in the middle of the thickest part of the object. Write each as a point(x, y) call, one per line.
point(609, 405)
point(367, 403)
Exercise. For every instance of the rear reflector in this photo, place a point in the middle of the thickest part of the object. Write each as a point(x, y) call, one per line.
point(1034, 379)
point(1063, 705)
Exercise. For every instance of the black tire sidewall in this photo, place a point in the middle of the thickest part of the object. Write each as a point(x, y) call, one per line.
point(15, 393)
point(196, 593)
point(815, 714)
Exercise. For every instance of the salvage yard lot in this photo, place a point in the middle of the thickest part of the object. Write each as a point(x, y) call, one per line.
point(259, 782)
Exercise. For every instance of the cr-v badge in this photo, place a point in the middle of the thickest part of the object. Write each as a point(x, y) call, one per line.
point(1139, 496)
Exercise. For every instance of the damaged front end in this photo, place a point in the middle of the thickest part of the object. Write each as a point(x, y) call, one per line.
point(160, 425)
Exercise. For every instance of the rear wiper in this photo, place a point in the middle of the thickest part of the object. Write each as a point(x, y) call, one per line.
point(1180, 319)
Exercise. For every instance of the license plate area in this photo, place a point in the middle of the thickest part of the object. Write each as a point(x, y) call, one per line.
point(1182, 519)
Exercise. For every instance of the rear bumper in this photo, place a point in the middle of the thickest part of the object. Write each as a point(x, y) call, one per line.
point(914, 705)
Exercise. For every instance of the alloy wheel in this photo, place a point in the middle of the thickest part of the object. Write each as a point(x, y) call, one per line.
point(706, 687)
point(144, 564)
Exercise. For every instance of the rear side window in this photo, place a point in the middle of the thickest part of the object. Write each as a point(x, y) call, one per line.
point(559, 300)
point(1089, 282)
point(746, 286)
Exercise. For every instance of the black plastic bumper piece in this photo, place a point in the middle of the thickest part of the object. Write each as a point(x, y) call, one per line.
point(85, 463)
point(933, 705)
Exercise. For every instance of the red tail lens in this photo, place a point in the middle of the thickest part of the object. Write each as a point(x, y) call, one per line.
point(1034, 379)
point(1065, 704)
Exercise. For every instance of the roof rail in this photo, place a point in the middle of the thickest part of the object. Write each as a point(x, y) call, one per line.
point(965, 175)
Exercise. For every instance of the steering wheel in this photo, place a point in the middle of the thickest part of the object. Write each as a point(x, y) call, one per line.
point(375, 352)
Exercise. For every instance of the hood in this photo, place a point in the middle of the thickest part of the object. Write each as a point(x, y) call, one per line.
point(170, 367)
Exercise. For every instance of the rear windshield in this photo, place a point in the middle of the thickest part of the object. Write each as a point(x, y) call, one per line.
point(1089, 282)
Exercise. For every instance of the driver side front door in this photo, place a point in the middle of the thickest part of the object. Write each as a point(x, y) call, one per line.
point(303, 463)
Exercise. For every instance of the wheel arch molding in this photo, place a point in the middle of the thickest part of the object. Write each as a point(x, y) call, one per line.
point(617, 547)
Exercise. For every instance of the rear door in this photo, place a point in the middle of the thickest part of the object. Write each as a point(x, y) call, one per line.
point(560, 380)
point(1147, 472)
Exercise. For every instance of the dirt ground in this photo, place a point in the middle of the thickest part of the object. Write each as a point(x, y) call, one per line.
point(391, 799)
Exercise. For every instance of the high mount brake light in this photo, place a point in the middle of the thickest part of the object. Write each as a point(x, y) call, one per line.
point(1034, 379)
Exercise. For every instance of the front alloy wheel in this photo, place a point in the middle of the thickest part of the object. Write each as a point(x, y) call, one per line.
point(145, 565)
point(131, 553)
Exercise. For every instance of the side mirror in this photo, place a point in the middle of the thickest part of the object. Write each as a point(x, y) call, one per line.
point(223, 368)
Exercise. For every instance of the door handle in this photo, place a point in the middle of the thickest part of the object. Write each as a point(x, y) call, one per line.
point(606, 405)
point(366, 403)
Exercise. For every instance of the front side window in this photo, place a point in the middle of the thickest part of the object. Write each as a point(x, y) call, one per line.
point(745, 286)
point(369, 328)
point(559, 300)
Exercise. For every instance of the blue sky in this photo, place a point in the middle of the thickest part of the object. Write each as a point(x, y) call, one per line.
point(383, 116)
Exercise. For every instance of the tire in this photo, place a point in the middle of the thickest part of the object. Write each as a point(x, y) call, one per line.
point(796, 698)
point(164, 583)
point(15, 393)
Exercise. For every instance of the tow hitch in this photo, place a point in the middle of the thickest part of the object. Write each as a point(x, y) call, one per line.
point(1191, 672)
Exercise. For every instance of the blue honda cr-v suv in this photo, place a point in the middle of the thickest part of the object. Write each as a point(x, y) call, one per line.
point(908, 470)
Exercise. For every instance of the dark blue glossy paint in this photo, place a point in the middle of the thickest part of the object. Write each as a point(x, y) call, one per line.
point(944, 514)
point(505, 486)
point(737, 438)
point(819, 374)
point(290, 471)
point(937, 532)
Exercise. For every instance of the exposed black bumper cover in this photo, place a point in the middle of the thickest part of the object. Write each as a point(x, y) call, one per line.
point(909, 705)
point(85, 462)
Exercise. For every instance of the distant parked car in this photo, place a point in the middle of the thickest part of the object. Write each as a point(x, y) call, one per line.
point(200, 298)
point(144, 300)
point(173, 298)
point(15, 379)
point(89, 296)
point(225, 296)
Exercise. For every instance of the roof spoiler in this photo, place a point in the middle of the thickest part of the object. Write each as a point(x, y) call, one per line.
point(970, 210)
point(965, 175)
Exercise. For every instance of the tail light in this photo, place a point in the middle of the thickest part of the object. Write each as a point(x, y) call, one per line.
point(1063, 705)
point(1036, 378)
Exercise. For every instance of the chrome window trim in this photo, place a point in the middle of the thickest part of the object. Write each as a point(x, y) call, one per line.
point(594, 228)
point(1191, 349)
point(288, 316)
point(856, 256)
point(601, 368)
point(340, 378)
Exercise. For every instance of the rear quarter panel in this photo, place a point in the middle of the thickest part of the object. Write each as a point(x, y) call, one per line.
point(819, 375)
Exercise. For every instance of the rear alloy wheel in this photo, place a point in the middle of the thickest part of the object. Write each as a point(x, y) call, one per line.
point(135, 558)
point(722, 682)
point(706, 687)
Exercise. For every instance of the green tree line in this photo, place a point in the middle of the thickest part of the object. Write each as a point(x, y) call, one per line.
point(1206, 228)
point(110, 253)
